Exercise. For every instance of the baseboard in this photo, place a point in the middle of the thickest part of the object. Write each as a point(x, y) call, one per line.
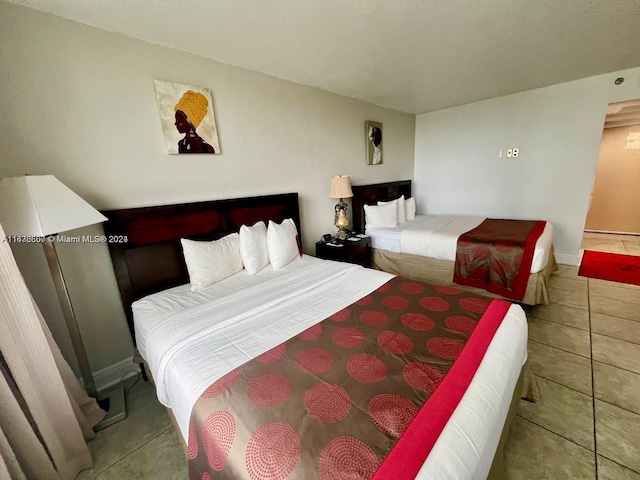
point(609, 232)
point(113, 374)
point(565, 259)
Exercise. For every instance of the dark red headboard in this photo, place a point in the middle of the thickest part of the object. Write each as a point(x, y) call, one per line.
point(151, 259)
point(371, 194)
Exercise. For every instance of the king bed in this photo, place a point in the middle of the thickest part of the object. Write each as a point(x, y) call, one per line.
point(315, 369)
point(425, 247)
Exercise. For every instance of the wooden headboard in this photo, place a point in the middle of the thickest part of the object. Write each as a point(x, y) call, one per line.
point(371, 194)
point(150, 260)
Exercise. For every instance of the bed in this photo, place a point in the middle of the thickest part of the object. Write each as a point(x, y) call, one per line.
point(425, 248)
point(206, 350)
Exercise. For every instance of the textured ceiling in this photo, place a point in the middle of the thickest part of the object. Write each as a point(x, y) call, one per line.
point(411, 55)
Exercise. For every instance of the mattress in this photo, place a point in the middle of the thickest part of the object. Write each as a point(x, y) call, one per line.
point(437, 236)
point(192, 339)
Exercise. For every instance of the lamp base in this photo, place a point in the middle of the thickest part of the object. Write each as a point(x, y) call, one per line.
point(112, 400)
point(342, 235)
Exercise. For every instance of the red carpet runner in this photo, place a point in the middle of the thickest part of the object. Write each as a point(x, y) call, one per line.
point(611, 266)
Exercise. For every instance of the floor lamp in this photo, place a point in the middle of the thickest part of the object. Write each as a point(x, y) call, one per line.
point(38, 208)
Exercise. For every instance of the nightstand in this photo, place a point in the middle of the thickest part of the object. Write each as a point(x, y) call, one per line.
point(358, 252)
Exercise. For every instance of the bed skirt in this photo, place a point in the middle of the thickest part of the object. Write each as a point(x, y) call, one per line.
point(440, 272)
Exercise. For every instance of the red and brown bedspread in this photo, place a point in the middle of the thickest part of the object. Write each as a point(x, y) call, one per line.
point(363, 394)
point(497, 256)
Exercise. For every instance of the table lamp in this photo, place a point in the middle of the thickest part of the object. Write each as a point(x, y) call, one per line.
point(341, 188)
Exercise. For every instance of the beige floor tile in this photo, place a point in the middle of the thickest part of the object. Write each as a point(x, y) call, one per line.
point(618, 434)
point(572, 317)
point(616, 352)
point(533, 453)
point(161, 458)
point(616, 386)
point(574, 284)
point(146, 419)
point(615, 290)
point(568, 271)
point(562, 367)
point(608, 470)
point(620, 328)
point(560, 336)
point(563, 411)
point(617, 308)
point(605, 283)
point(569, 298)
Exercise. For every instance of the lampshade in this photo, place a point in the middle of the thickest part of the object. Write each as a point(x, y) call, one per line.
point(341, 187)
point(41, 205)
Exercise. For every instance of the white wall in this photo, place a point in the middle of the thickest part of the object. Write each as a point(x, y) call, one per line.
point(557, 129)
point(78, 103)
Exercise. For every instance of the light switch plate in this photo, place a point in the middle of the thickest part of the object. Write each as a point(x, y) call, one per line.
point(509, 153)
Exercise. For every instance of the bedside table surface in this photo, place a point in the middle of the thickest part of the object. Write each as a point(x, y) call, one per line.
point(358, 252)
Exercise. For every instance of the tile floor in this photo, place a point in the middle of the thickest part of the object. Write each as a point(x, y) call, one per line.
point(584, 349)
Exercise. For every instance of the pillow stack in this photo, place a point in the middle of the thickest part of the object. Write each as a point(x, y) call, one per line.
point(390, 214)
point(254, 248)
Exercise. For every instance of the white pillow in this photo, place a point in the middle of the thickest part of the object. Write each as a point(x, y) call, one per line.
point(381, 215)
point(282, 243)
point(410, 208)
point(210, 262)
point(402, 216)
point(253, 247)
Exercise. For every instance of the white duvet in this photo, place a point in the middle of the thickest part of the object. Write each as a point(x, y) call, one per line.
point(190, 339)
point(437, 237)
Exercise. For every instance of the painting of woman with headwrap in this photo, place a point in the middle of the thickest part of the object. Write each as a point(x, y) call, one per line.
point(373, 132)
point(187, 118)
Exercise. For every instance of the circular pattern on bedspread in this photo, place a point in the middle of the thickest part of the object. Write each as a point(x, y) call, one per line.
point(365, 301)
point(206, 476)
point(475, 305)
point(217, 433)
point(347, 458)
point(192, 444)
point(412, 288)
point(384, 288)
point(374, 318)
point(315, 360)
point(395, 302)
point(417, 321)
point(366, 368)
point(311, 333)
point(395, 342)
point(273, 355)
point(447, 348)
point(348, 337)
point(392, 413)
point(272, 452)
point(269, 390)
point(446, 290)
point(422, 376)
point(341, 316)
point(327, 403)
point(461, 324)
point(435, 304)
point(223, 384)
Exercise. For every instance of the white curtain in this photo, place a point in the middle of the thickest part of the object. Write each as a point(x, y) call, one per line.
point(45, 415)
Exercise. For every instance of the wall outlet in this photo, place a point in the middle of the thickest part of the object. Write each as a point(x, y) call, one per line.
point(509, 153)
point(515, 152)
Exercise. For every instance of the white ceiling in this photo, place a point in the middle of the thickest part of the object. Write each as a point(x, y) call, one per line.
point(411, 55)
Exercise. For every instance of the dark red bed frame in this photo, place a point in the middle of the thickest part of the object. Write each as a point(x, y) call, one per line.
point(150, 260)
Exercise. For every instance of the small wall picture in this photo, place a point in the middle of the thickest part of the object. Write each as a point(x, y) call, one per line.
point(187, 118)
point(373, 133)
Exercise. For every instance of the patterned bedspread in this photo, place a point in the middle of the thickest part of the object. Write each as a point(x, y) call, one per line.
point(497, 256)
point(333, 402)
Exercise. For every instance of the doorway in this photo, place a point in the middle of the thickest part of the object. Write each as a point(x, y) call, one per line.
point(613, 219)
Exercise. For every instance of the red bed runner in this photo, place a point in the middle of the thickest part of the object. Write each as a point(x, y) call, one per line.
point(363, 394)
point(497, 256)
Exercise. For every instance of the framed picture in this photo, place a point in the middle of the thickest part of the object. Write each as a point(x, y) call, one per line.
point(186, 115)
point(373, 134)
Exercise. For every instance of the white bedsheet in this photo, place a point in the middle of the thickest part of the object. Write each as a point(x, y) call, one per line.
point(192, 340)
point(437, 237)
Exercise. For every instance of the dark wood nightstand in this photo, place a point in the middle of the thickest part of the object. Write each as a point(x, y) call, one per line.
point(358, 252)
